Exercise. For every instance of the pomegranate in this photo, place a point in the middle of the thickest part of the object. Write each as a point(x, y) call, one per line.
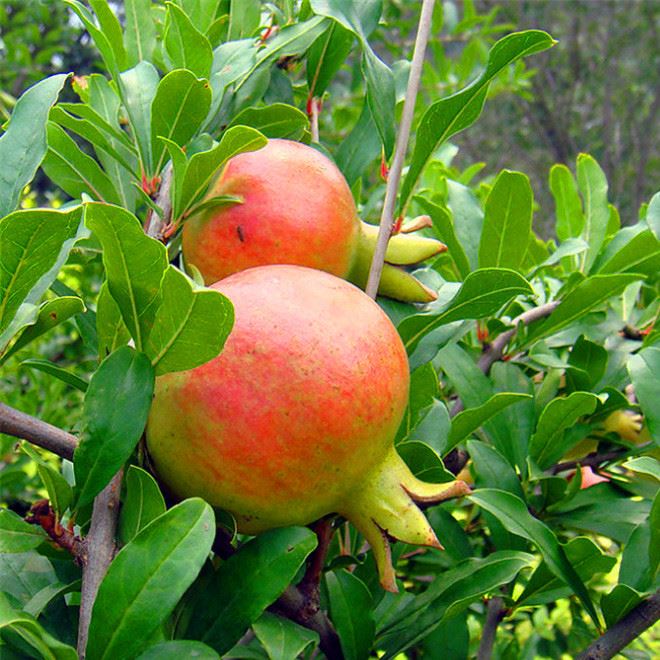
point(296, 208)
point(296, 418)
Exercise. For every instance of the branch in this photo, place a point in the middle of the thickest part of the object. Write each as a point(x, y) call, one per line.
point(591, 460)
point(314, 112)
point(494, 614)
point(154, 225)
point(624, 631)
point(20, 425)
point(387, 216)
point(99, 551)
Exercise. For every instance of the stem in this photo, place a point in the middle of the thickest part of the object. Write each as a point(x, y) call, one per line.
point(154, 225)
point(623, 632)
point(315, 107)
point(99, 551)
point(20, 425)
point(494, 614)
point(394, 178)
point(591, 460)
point(309, 585)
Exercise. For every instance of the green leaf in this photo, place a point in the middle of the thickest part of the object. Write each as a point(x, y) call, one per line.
point(549, 442)
point(640, 253)
point(51, 313)
point(468, 421)
point(147, 578)
point(31, 634)
point(110, 327)
point(586, 296)
point(493, 470)
point(471, 384)
point(507, 222)
point(636, 570)
point(592, 184)
point(250, 580)
point(482, 294)
point(568, 205)
point(34, 245)
point(468, 220)
point(644, 465)
point(653, 215)
point(23, 145)
point(117, 404)
point(140, 32)
point(644, 368)
point(134, 265)
point(451, 115)
point(57, 372)
point(138, 87)
point(618, 602)
point(360, 148)
point(143, 503)
point(278, 120)
point(588, 361)
point(282, 638)
point(179, 649)
point(191, 325)
point(111, 28)
point(203, 166)
point(60, 493)
point(446, 597)
point(424, 461)
point(423, 389)
point(351, 610)
point(512, 512)
point(16, 535)
point(181, 103)
point(326, 56)
point(185, 45)
point(587, 559)
point(244, 19)
point(432, 427)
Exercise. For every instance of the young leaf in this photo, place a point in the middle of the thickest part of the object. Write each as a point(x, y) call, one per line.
point(507, 222)
point(568, 205)
point(190, 327)
point(23, 144)
point(351, 609)
point(147, 578)
point(144, 502)
point(140, 33)
point(117, 404)
point(185, 45)
point(33, 247)
point(455, 113)
point(251, 579)
point(282, 638)
point(18, 536)
point(592, 184)
point(134, 265)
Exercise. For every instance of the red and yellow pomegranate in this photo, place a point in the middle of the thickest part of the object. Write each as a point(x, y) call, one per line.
point(296, 418)
point(296, 208)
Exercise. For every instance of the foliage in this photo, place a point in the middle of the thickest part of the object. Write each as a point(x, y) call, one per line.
point(519, 368)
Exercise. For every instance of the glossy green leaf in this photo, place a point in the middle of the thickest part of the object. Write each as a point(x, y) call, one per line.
point(618, 602)
point(589, 361)
point(636, 252)
point(326, 56)
point(24, 575)
point(138, 87)
point(179, 649)
point(653, 215)
point(471, 384)
point(34, 245)
point(147, 578)
point(134, 266)
point(593, 188)
point(51, 313)
point(586, 296)
point(468, 421)
point(60, 493)
point(56, 371)
point(514, 515)
point(111, 28)
point(140, 32)
point(507, 222)
point(432, 427)
point(117, 404)
point(143, 503)
point(448, 596)
point(351, 608)
point(568, 205)
point(456, 112)
point(16, 535)
point(23, 144)
point(110, 327)
point(282, 638)
point(190, 327)
point(482, 294)
point(360, 148)
point(251, 580)
point(644, 368)
point(544, 587)
point(423, 389)
point(185, 45)
point(278, 120)
point(468, 220)
point(204, 166)
point(549, 442)
point(424, 462)
point(636, 570)
point(181, 103)
point(244, 19)
point(644, 465)
point(492, 469)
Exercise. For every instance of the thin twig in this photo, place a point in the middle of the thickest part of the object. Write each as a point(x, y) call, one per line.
point(314, 112)
point(591, 460)
point(623, 632)
point(20, 425)
point(154, 225)
point(41, 513)
point(99, 551)
point(391, 190)
point(494, 614)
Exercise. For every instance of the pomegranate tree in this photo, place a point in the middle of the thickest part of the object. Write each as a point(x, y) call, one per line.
point(296, 418)
point(296, 208)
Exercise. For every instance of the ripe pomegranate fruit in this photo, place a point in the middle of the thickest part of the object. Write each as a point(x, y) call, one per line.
point(296, 208)
point(295, 419)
